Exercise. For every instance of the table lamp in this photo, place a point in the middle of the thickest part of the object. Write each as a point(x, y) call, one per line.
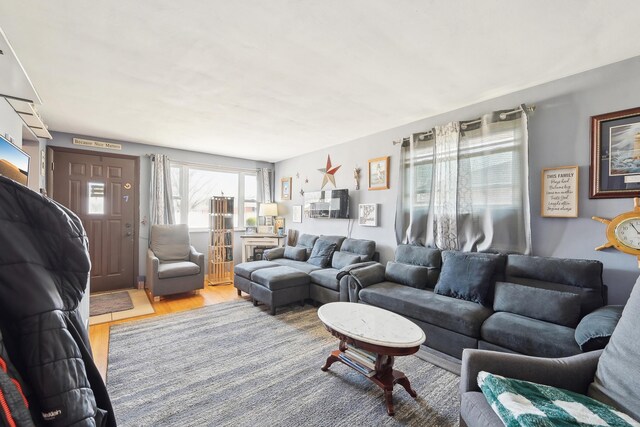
point(268, 211)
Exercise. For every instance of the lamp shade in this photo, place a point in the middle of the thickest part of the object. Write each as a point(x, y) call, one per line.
point(268, 209)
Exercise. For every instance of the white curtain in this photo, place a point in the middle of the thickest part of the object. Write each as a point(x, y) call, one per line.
point(265, 185)
point(161, 195)
point(478, 177)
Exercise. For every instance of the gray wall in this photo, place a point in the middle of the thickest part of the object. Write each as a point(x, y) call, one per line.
point(199, 239)
point(558, 136)
point(10, 122)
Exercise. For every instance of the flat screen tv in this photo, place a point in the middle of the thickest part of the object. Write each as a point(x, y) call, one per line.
point(326, 204)
point(14, 163)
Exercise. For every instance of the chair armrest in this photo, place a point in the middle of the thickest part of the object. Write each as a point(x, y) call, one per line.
point(196, 257)
point(272, 254)
point(595, 329)
point(152, 261)
point(573, 373)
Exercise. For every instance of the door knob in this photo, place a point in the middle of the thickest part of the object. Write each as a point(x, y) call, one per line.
point(129, 233)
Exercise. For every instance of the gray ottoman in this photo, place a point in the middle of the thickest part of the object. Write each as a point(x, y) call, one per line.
point(279, 286)
point(243, 271)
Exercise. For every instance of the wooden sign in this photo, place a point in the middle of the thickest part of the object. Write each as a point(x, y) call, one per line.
point(97, 144)
point(560, 192)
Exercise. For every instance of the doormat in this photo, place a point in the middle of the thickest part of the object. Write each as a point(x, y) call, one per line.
point(109, 303)
point(139, 305)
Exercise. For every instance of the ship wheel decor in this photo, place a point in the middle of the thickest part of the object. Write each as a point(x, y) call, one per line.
point(623, 231)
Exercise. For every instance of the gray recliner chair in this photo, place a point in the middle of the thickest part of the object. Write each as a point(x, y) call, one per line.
point(611, 376)
point(173, 265)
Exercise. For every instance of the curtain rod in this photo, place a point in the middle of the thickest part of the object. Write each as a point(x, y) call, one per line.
point(210, 166)
point(464, 124)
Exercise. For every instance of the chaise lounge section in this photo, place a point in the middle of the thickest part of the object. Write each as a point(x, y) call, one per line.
point(310, 270)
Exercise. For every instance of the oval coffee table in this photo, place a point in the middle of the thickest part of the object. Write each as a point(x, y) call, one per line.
point(368, 330)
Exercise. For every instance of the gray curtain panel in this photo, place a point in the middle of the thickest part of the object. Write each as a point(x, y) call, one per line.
point(265, 185)
point(465, 186)
point(161, 194)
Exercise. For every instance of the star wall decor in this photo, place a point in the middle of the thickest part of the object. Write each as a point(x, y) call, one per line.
point(329, 173)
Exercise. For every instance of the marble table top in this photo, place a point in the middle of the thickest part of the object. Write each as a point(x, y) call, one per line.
point(370, 324)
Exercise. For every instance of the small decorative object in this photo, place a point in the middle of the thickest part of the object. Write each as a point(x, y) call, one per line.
point(301, 192)
point(623, 231)
point(560, 192)
point(379, 173)
point(306, 180)
point(285, 188)
point(250, 230)
point(615, 155)
point(297, 213)
point(329, 173)
point(368, 215)
point(43, 163)
point(279, 225)
point(297, 175)
point(356, 177)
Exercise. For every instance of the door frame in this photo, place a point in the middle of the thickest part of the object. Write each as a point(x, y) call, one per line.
point(52, 149)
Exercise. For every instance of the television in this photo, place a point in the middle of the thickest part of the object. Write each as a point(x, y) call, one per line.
point(327, 204)
point(14, 163)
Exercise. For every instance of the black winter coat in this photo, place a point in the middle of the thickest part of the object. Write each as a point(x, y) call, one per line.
point(44, 269)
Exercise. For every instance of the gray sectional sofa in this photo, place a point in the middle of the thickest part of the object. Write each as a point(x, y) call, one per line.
point(547, 307)
point(310, 270)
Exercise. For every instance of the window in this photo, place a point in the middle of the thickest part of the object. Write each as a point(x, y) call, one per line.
point(194, 185)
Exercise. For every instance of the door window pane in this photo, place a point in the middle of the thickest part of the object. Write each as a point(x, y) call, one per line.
point(96, 198)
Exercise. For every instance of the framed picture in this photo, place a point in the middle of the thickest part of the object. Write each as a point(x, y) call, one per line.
point(297, 213)
point(379, 173)
point(368, 215)
point(285, 188)
point(559, 192)
point(615, 155)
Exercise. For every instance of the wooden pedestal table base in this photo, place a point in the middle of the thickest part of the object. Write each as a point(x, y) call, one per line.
point(385, 377)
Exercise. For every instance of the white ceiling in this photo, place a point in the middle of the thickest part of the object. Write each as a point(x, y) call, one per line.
point(269, 80)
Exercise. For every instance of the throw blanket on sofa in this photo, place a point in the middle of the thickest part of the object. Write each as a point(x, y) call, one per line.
point(522, 403)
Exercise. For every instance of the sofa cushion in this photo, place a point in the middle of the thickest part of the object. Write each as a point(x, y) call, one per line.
point(337, 240)
point(364, 248)
point(618, 373)
point(418, 255)
point(307, 240)
point(562, 308)
point(326, 278)
point(529, 336)
point(295, 253)
point(466, 276)
point(342, 259)
point(245, 269)
point(579, 276)
point(475, 410)
point(322, 252)
point(177, 269)
point(595, 329)
point(170, 242)
point(452, 314)
point(280, 278)
point(406, 274)
point(305, 267)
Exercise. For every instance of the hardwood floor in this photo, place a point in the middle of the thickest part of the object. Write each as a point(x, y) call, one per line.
point(99, 334)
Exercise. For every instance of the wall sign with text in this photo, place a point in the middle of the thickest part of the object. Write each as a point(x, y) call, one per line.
point(560, 192)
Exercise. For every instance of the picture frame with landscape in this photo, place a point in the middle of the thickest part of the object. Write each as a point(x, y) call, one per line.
point(378, 173)
point(615, 155)
point(285, 188)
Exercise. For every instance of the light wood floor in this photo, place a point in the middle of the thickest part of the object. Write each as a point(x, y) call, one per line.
point(99, 334)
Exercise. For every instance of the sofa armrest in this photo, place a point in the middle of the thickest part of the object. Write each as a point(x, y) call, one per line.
point(595, 329)
point(573, 373)
point(344, 279)
point(196, 257)
point(359, 278)
point(349, 268)
point(272, 254)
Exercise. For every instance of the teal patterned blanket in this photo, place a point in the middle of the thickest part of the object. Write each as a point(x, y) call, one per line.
point(522, 403)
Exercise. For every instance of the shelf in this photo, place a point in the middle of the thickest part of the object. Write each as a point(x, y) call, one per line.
point(220, 241)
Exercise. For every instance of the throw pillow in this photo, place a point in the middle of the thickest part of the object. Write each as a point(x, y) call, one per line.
point(321, 253)
point(523, 403)
point(409, 275)
point(342, 259)
point(466, 276)
point(295, 253)
point(561, 308)
point(595, 329)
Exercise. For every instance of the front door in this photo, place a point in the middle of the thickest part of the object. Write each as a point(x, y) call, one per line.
point(102, 190)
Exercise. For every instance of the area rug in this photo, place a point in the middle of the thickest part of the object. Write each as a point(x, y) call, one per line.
point(233, 364)
point(108, 303)
point(138, 305)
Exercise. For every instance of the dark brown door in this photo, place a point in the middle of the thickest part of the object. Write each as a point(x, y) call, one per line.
point(102, 190)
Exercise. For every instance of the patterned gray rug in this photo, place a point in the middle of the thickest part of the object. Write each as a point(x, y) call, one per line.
point(232, 364)
point(109, 303)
